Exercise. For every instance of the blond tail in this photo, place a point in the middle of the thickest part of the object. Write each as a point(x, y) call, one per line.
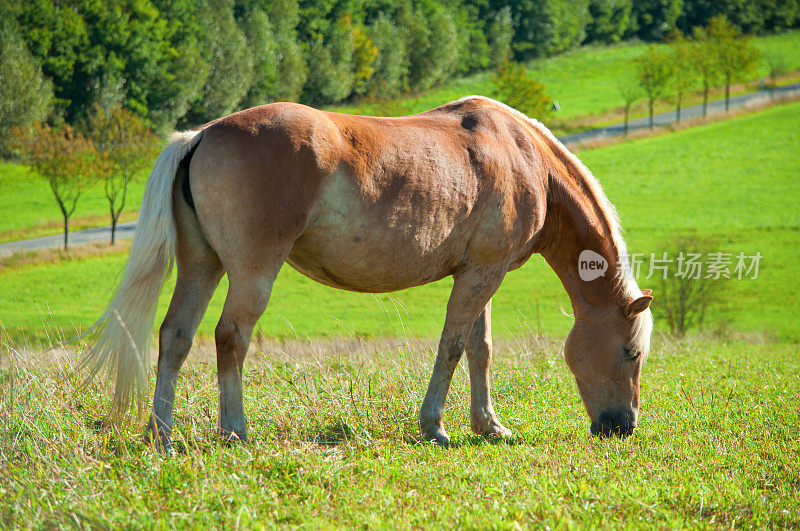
point(123, 348)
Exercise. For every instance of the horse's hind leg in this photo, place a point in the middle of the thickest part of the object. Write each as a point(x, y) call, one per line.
point(247, 299)
point(472, 290)
point(199, 273)
point(479, 355)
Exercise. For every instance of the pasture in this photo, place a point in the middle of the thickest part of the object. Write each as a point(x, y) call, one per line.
point(333, 429)
point(334, 382)
point(729, 181)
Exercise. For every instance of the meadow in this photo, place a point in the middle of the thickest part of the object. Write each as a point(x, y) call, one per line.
point(334, 444)
point(583, 81)
point(729, 181)
point(334, 381)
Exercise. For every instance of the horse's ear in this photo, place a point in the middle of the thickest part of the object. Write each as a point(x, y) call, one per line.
point(635, 307)
point(647, 292)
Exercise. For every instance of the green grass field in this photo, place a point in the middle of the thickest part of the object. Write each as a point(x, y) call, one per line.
point(333, 444)
point(731, 181)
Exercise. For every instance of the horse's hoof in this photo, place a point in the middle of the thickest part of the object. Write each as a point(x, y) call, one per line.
point(497, 431)
point(439, 437)
point(232, 438)
point(158, 439)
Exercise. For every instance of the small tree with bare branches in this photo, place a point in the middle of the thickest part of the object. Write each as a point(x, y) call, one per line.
point(127, 146)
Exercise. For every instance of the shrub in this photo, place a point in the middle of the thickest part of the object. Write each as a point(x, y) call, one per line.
point(513, 86)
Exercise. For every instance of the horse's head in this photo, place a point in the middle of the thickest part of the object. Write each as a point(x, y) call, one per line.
point(605, 351)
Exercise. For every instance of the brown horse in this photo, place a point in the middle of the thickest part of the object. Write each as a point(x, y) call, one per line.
point(469, 189)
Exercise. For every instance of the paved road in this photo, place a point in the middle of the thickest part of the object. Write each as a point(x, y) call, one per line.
point(97, 234)
point(125, 230)
point(667, 118)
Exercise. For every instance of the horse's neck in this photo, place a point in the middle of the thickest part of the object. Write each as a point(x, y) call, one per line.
point(572, 225)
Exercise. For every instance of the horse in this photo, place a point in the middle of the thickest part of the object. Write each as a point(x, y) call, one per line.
point(369, 204)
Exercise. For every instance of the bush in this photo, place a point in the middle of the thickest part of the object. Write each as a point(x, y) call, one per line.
point(513, 87)
point(686, 289)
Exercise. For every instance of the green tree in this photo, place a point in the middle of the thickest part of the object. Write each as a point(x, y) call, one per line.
point(609, 20)
point(654, 70)
point(127, 147)
point(630, 91)
point(499, 34)
point(548, 27)
point(390, 63)
point(513, 87)
point(654, 19)
point(292, 66)
point(684, 73)
point(264, 57)
point(736, 58)
point(432, 48)
point(230, 63)
point(331, 79)
point(705, 61)
point(26, 96)
point(65, 159)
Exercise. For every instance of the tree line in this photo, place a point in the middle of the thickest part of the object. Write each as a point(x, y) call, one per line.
point(715, 55)
point(184, 62)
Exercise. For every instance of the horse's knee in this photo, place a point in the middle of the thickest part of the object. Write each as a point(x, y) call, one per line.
point(231, 343)
point(174, 343)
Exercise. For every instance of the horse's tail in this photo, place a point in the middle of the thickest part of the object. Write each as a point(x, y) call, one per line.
point(123, 348)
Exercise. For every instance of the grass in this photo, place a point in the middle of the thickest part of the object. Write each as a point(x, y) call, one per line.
point(732, 181)
point(333, 445)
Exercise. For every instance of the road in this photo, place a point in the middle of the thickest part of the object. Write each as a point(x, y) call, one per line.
point(668, 118)
point(126, 230)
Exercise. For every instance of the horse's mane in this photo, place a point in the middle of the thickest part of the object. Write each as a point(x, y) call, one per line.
point(583, 182)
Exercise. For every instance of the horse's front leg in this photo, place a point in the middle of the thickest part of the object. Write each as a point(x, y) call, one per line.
point(479, 356)
point(472, 290)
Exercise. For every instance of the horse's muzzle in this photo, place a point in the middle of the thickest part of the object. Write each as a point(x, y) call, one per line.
point(614, 423)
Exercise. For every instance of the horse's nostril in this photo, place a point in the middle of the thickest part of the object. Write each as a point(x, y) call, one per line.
point(619, 423)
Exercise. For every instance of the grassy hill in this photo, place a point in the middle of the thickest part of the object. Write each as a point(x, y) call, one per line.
point(734, 181)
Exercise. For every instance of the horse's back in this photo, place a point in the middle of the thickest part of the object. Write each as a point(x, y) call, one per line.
point(369, 204)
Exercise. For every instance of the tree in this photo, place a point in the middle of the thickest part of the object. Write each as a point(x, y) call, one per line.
point(26, 96)
point(654, 19)
point(776, 64)
point(65, 159)
point(499, 34)
point(735, 56)
point(704, 60)
point(432, 48)
point(230, 63)
point(631, 92)
point(292, 66)
point(654, 69)
point(684, 74)
point(513, 87)
point(548, 27)
point(609, 20)
point(264, 57)
point(127, 146)
point(390, 63)
point(331, 79)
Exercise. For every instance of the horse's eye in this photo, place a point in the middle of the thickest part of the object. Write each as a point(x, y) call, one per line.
point(632, 352)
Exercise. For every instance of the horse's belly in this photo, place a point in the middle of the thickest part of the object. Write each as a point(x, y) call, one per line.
point(377, 245)
point(359, 263)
